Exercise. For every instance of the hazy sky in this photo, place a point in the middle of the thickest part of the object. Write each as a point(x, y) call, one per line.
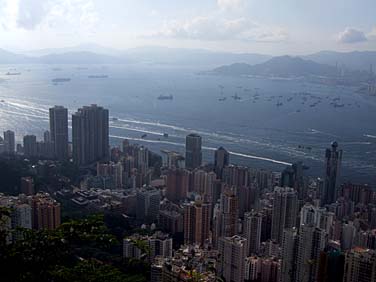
point(263, 26)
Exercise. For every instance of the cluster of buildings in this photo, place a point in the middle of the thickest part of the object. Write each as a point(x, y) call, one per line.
point(220, 221)
point(90, 137)
point(38, 211)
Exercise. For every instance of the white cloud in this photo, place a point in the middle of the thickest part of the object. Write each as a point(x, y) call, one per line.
point(215, 29)
point(48, 14)
point(77, 14)
point(154, 13)
point(8, 13)
point(229, 4)
point(372, 34)
point(351, 35)
point(30, 13)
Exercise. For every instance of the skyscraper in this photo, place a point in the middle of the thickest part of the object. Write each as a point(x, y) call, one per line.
point(177, 184)
point(90, 135)
point(148, 203)
point(30, 146)
point(360, 266)
point(252, 231)
point(289, 246)
point(193, 153)
point(59, 131)
point(331, 265)
point(231, 263)
point(196, 222)
point(9, 141)
point(221, 160)
point(333, 158)
point(311, 242)
point(226, 216)
point(285, 208)
point(293, 176)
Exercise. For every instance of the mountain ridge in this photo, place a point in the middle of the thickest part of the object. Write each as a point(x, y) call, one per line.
point(355, 60)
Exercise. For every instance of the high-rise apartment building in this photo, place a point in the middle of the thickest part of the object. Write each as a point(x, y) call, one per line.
point(252, 231)
point(193, 153)
point(331, 266)
point(333, 158)
point(317, 216)
point(148, 203)
point(30, 146)
point(221, 160)
point(177, 184)
point(289, 248)
point(90, 135)
point(311, 242)
point(285, 208)
point(226, 216)
point(293, 176)
point(196, 222)
point(46, 212)
point(59, 131)
point(360, 266)
point(114, 171)
point(203, 184)
point(231, 263)
point(9, 142)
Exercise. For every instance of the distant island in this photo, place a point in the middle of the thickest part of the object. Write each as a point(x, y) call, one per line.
point(287, 67)
point(85, 55)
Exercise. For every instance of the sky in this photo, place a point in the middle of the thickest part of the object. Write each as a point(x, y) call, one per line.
point(272, 27)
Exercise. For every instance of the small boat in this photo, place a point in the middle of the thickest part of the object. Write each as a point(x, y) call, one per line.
point(13, 73)
point(279, 104)
point(144, 136)
point(339, 105)
point(236, 97)
point(56, 80)
point(165, 97)
point(98, 76)
point(222, 99)
point(165, 135)
point(114, 119)
point(2, 101)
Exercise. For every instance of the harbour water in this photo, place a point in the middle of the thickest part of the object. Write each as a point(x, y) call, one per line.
point(265, 123)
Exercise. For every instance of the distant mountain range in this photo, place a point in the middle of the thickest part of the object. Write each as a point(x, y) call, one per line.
point(283, 66)
point(296, 67)
point(95, 54)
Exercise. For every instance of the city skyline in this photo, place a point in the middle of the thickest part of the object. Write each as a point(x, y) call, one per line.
point(188, 141)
